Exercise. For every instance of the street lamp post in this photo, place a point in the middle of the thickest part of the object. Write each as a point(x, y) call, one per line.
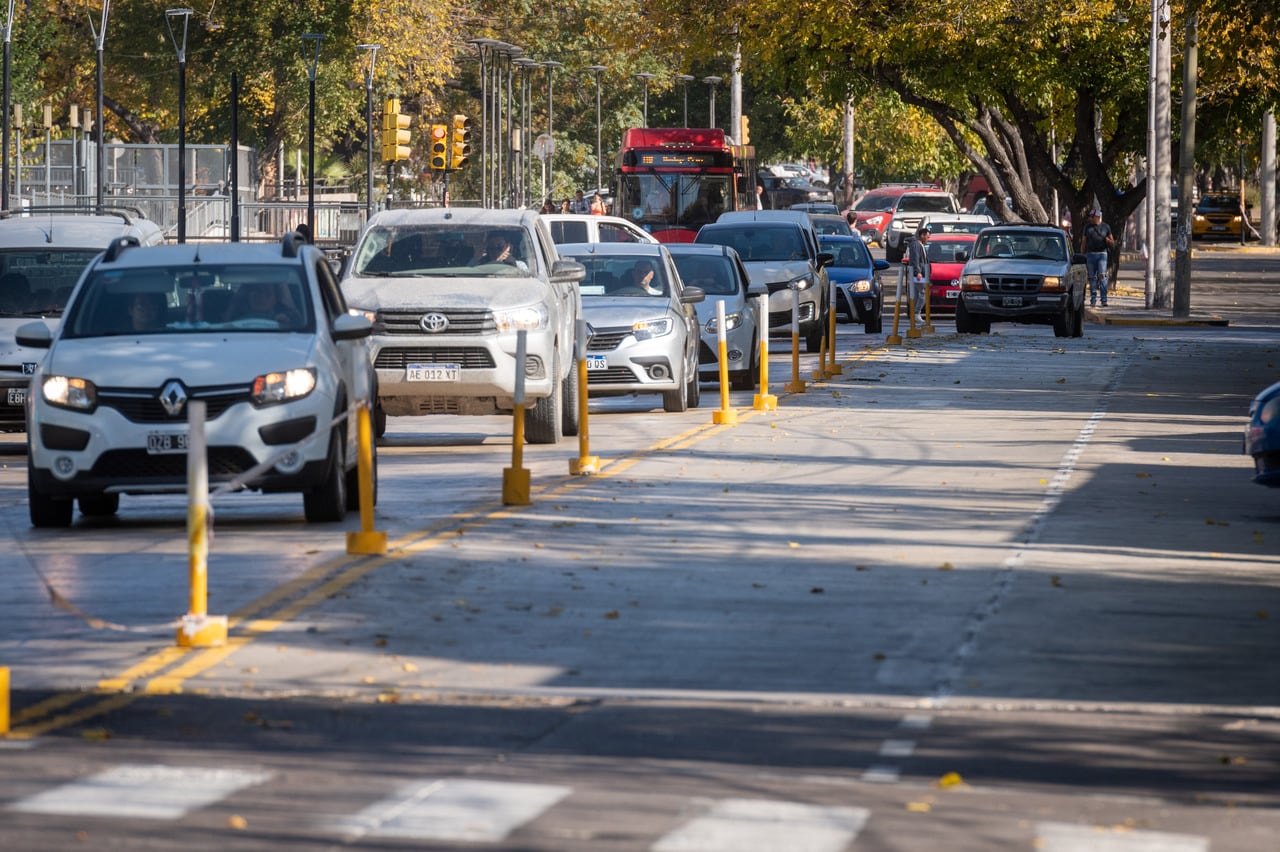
point(311, 46)
point(483, 46)
point(4, 171)
point(526, 66)
point(711, 84)
point(509, 137)
point(99, 42)
point(684, 80)
point(180, 46)
point(596, 69)
point(551, 65)
point(368, 127)
point(645, 77)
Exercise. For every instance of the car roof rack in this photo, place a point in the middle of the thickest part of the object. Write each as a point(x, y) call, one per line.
point(123, 212)
point(117, 247)
point(291, 242)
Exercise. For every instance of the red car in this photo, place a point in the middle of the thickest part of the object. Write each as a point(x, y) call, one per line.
point(945, 251)
point(872, 212)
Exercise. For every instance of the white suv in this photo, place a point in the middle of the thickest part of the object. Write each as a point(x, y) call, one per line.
point(910, 209)
point(259, 333)
point(42, 253)
point(449, 290)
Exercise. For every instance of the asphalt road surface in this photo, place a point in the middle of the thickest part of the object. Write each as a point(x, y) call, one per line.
point(1005, 592)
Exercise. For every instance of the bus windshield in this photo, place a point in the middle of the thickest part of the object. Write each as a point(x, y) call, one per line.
point(674, 200)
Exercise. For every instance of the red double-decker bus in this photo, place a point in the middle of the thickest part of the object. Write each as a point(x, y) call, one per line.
point(672, 181)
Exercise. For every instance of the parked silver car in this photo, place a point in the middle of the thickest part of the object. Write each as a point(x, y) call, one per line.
point(448, 290)
point(641, 323)
point(718, 272)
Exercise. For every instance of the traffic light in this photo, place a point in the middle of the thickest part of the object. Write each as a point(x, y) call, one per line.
point(395, 132)
point(439, 147)
point(460, 148)
point(746, 131)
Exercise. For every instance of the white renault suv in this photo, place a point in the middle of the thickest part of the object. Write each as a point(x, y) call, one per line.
point(259, 333)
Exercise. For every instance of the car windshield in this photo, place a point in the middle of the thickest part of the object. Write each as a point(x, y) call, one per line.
point(623, 275)
point(208, 297)
point(714, 274)
point(757, 242)
point(948, 251)
point(875, 204)
point(993, 243)
point(37, 282)
point(1219, 204)
point(848, 254)
point(957, 227)
point(440, 250)
point(937, 202)
point(832, 225)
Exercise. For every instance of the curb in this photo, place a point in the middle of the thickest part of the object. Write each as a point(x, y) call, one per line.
point(1093, 315)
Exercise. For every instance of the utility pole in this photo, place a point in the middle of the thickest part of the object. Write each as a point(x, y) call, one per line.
point(1161, 286)
point(1186, 170)
point(1268, 188)
point(850, 162)
point(735, 90)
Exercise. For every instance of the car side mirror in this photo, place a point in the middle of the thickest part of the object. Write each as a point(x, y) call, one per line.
point(351, 327)
point(34, 334)
point(756, 288)
point(567, 272)
point(879, 265)
point(825, 258)
point(692, 295)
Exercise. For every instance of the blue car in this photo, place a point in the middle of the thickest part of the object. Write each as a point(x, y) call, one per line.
point(859, 292)
point(1262, 441)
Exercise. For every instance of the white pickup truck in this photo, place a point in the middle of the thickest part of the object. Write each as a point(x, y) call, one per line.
point(448, 290)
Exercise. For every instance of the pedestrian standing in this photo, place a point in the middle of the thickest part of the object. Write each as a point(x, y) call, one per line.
point(1095, 241)
point(918, 271)
point(579, 204)
point(597, 205)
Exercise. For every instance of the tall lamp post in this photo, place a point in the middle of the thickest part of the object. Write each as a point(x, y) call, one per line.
point(551, 65)
point(4, 171)
point(596, 69)
point(711, 84)
point(645, 77)
point(180, 46)
point(482, 46)
point(526, 66)
point(368, 127)
point(684, 80)
point(311, 48)
point(99, 43)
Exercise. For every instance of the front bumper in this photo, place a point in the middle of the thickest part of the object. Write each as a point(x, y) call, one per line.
point(780, 311)
point(1039, 305)
point(617, 362)
point(738, 350)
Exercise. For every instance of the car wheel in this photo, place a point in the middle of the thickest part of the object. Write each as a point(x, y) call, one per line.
point(1063, 323)
point(1077, 328)
point(675, 401)
point(569, 394)
point(813, 340)
point(327, 502)
point(46, 511)
point(963, 325)
point(544, 423)
point(379, 421)
point(99, 505)
point(693, 391)
point(875, 321)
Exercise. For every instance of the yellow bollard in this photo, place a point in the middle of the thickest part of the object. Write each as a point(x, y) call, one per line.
point(820, 373)
point(833, 369)
point(585, 463)
point(912, 331)
point(515, 479)
point(4, 701)
point(894, 338)
point(796, 385)
point(764, 401)
point(367, 540)
point(198, 629)
point(928, 308)
point(725, 415)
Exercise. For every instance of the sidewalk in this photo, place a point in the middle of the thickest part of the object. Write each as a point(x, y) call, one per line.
point(1127, 299)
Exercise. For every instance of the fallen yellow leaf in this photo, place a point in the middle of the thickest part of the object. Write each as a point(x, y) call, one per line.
point(409, 667)
point(951, 779)
point(95, 734)
point(919, 807)
point(237, 822)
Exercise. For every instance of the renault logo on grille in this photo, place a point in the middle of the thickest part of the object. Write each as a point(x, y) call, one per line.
point(434, 322)
point(173, 396)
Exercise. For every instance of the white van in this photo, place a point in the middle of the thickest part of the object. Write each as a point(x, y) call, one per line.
point(42, 253)
point(588, 228)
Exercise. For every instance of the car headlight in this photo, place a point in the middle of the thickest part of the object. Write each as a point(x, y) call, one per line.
point(1270, 411)
point(800, 282)
point(69, 392)
point(371, 316)
point(648, 329)
point(1051, 282)
point(875, 220)
point(731, 321)
point(271, 388)
point(527, 318)
point(899, 225)
point(971, 282)
point(862, 285)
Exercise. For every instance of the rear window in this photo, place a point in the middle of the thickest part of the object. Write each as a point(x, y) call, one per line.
point(571, 231)
point(38, 282)
point(758, 242)
point(713, 274)
point(933, 203)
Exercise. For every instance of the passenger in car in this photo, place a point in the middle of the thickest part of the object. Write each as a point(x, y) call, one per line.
point(147, 311)
point(264, 300)
point(498, 249)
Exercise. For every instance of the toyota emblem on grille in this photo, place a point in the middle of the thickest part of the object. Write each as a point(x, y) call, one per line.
point(434, 322)
point(173, 396)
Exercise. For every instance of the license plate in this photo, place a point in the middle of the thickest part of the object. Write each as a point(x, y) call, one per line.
point(17, 396)
point(1013, 301)
point(953, 294)
point(164, 443)
point(597, 362)
point(1218, 228)
point(432, 372)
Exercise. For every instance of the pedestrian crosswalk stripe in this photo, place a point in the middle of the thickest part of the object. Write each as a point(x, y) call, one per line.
point(1065, 837)
point(453, 809)
point(758, 825)
point(142, 791)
